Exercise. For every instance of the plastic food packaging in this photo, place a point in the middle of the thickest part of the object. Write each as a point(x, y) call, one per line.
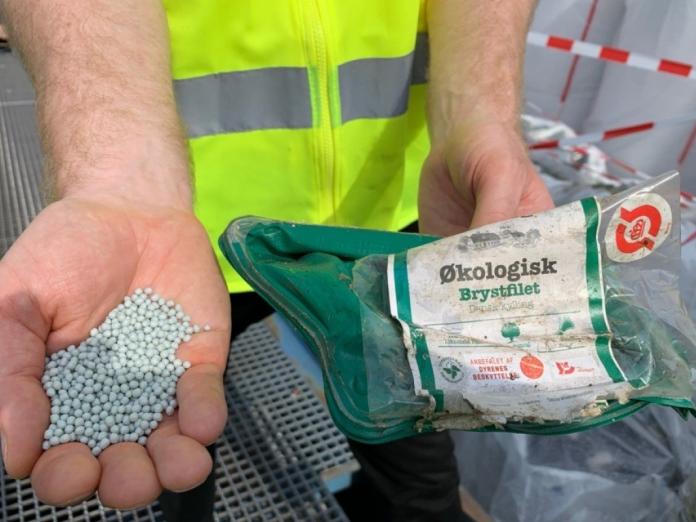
point(544, 324)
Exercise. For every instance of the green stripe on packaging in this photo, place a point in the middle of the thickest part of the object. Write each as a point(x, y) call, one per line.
point(403, 310)
point(595, 288)
point(439, 400)
point(603, 345)
point(403, 298)
point(425, 367)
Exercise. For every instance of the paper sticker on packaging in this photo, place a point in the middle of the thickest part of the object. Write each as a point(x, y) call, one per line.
point(509, 317)
point(640, 225)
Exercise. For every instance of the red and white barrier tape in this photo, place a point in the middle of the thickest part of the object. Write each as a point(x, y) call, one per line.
point(612, 54)
point(689, 239)
point(596, 137)
point(687, 201)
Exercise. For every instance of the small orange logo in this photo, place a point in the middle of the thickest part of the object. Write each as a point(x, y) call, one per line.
point(532, 367)
point(565, 368)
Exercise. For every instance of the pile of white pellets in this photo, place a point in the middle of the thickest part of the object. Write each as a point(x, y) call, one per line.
point(117, 384)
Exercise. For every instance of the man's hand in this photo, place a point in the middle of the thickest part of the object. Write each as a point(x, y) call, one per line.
point(481, 174)
point(76, 262)
point(116, 155)
point(478, 171)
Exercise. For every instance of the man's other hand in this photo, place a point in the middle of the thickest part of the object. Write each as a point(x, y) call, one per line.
point(479, 174)
point(75, 263)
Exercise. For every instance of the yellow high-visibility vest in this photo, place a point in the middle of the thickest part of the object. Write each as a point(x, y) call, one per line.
point(302, 110)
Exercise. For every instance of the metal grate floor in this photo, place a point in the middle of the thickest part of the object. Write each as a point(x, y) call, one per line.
point(280, 439)
point(279, 445)
point(20, 160)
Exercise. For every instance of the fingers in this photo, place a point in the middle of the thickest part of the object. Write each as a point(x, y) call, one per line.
point(181, 462)
point(68, 473)
point(23, 419)
point(202, 405)
point(65, 474)
point(200, 392)
point(128, 478)
point(24, 408)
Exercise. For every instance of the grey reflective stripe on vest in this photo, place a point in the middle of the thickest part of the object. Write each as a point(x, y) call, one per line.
point(374, 87)
point(378, 87)
point(270, 98)
point(279, 97)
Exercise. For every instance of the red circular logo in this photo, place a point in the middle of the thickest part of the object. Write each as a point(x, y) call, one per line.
point(640, 225)
point(531, 366)
point(638, 228)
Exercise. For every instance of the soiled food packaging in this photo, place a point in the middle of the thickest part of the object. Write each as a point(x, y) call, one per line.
point(546, 324)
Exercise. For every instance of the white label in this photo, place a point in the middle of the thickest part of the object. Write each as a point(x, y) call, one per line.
point(640, 225)
point(509, 318)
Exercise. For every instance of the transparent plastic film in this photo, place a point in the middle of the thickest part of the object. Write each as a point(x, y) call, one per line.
point(550, 317)
point(545, 324)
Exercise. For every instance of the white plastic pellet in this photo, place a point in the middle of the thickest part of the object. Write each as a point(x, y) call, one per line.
point(116, 385)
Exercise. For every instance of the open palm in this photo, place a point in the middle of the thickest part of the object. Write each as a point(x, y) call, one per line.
point(75, 263)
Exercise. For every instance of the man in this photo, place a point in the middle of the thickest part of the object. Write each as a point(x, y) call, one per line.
point(298, 110)
point(4, 44)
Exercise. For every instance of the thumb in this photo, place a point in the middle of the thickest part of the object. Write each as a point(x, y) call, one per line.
point(24, 407)
point(497, 197)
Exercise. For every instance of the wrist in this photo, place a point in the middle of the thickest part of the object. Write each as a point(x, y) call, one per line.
point(143, 171)
point(469, 135)
point(455, 118)
point(132, 148)
point(130, 191)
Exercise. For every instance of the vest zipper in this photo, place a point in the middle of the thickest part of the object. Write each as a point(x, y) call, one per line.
point(321, 78)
